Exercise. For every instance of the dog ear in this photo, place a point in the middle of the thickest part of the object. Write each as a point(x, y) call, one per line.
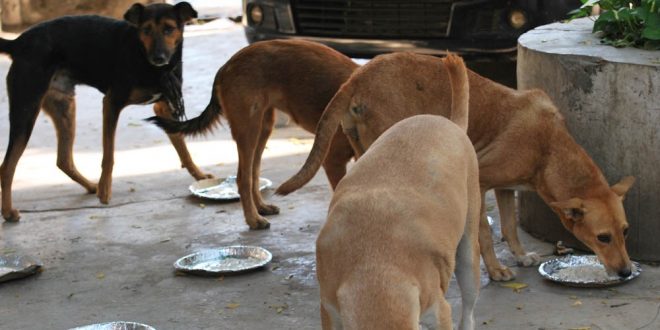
point(134, 14)
point(185, 11)
point(572, 209)
point(623, 186)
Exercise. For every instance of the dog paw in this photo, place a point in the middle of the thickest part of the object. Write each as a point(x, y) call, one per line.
point(104, 196)
point(501, 274)
point(92, 189)
point(529, 259)
point(258, 224)
point(198, 175)
point(267, 209)
point(12, 216)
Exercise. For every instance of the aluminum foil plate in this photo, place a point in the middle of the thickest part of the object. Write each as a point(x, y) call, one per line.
point(222, 189)
point(119, 325)
point(224, 260)
point(15, 266)
point(582, 271)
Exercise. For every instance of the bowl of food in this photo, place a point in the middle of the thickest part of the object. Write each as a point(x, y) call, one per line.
point(13, 267)
point(224, 189)
point(118, 325)
point(583, 271)
point(225, 260)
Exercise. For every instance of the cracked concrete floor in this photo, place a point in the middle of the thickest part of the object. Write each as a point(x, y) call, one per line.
point(105, 263)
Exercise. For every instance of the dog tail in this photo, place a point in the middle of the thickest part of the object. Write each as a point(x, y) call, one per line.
point(325, 131)
point(460, 90)
point(6, 46)
point(201, 124)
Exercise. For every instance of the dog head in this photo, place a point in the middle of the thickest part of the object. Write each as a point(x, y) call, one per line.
point(600, 223)
point(160, 28)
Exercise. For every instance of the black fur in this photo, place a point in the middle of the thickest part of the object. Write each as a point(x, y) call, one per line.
point(51, 58)
point(100, 52)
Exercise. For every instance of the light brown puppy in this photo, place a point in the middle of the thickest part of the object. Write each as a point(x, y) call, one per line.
point(404, 217)
point(521, 141)
point(297, 77)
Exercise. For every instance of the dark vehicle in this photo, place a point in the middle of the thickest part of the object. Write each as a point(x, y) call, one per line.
point(365, 28)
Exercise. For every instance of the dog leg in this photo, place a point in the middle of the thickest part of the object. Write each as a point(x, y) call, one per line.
point(61, 108)
point(266, 128)
point(507, 205)
point(468, 273)
point(339, 154)
point(110, 117)
point(496, 270)
point(161, 109)
point(19, 135)
point(246, 142)
point(25, 87)
point(443, 315)
point(326, 322)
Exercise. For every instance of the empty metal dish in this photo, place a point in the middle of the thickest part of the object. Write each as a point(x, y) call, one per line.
point(15, 267)
point(119, 325)
point(224, 260)
point(222, 189)
point(582, 271)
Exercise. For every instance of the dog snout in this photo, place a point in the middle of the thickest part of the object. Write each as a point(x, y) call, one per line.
point(625, 272)
point(159, 59)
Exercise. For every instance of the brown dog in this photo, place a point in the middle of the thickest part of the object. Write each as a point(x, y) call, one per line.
point(297, 77)
point(521, 141)
point(404, 215)
point(133, 61)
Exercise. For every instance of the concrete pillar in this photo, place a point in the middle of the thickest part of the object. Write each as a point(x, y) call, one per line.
point(610, 98)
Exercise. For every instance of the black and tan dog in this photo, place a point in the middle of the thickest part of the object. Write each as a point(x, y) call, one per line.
point(136, 61)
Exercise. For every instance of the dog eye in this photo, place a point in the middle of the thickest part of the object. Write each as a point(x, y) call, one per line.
point(168, 30)
point(604, 238)
point(625, 232)
point(146, 30)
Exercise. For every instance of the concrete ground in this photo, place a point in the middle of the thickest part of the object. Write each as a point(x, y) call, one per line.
point(107, 263)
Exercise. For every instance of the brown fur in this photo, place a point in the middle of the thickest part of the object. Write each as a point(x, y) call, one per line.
point(164, 31)
point(520, 138)
point(296, 77)
point(393, 237)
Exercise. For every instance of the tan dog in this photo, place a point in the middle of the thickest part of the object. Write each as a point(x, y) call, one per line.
point(403, 216)
point(297, 77)
point(521, 141)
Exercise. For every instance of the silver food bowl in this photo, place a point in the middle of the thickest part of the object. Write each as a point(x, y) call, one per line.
point(223, 189)
point(224, 260)
point(553, 270)
point(119, 325)
point(16, 266)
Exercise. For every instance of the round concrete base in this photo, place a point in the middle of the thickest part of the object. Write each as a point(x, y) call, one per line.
point(610, 98)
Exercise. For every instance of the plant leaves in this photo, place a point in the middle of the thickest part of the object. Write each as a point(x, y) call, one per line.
point(651, 33)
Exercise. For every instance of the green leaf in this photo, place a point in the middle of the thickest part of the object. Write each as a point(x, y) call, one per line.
point(607, 16)
point(642, 13)
point(651, 33)
point(589, 2)
point(653, 21)
point(603, 21)
point(578, 13)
